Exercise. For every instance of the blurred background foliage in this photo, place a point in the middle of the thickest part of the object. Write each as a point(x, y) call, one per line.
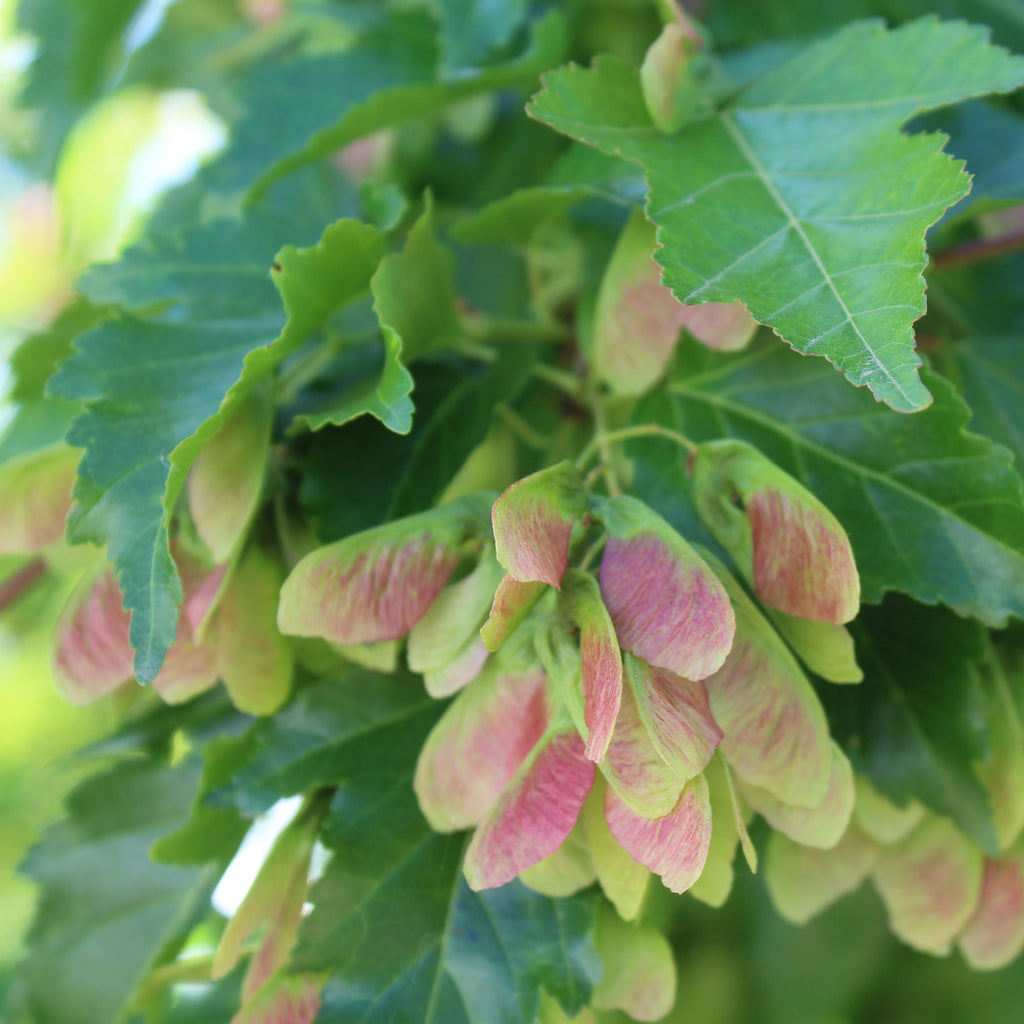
point(143, 120)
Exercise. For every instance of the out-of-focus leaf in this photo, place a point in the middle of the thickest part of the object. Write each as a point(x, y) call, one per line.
point(801, 197)
point(918, 723)
point(80, 47)
point(106, 912)
point(990, 372)
point(473, 29)
point(391, 74)
point(330, 732)
point(211, 833)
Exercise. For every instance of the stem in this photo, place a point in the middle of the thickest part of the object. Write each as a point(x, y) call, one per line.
point(561, 379)
point(980, 250)
point(522, 429)
point(601, 439)
point(592, 552)
point(485, 328)
point(15, 585)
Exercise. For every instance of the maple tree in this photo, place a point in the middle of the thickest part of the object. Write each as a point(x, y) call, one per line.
point(526, 442)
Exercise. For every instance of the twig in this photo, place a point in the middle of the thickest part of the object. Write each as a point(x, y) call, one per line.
point(14, 586)
point(979, 250)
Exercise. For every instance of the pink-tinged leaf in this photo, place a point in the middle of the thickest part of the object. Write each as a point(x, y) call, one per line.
point(566, 871)
point(879, 817)
point(667, 605)
point(775, 733)
point(92, 655)
point(639, 975)
point(601, 660)
point(533, 523)
point(994, 935)
point(826, 648)
point(930, 883)
point(792, 548)
point(454, 618)
point(822, 826)
point(675, 846)
point(715, 882)
point(622, 879)
point(534, 814)
point(378, 584)
point(468, 664)
point(803, 881)
point(285, 999)
point(36, 491)
point(635, 769)
point(253, 659)
point(478, 745)
point(723, 326)
point(677, 715)
point(277, 888)
point(226, 478)
point(513, 602)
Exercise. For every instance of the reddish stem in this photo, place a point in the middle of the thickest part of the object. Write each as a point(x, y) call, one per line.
point(14, 586)
point(979, 250)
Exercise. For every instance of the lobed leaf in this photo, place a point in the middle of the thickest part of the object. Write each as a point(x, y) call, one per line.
point(799, 196)
point(156, 390)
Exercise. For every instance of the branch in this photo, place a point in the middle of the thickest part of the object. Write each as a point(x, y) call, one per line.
point(979, 250)
point(14, 586)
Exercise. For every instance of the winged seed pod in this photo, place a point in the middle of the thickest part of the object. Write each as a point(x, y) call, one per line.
point(637, 320)
point(92, 655)
point(994, 935)
point(670, 93)
point(533, 521)
point(36, 491)
point(376, 585)
point(513, 602)
point(792, 548)
point(601, 660)
point(667, 605)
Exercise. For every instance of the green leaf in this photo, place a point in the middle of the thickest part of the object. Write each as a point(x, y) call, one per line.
point(474, 29)
point(458, 426)
point(406, 940)
point(800, 197)
point(106, 913)
point(157, 389)
point(930, 509)
point(211, 833)
point(918, 724)
point(390, 75)
point(414, 299)
point(991, 139)
point(990, 373)
point(743, 22)
point(329, 732)
point(513, 219)
point(80, 46)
